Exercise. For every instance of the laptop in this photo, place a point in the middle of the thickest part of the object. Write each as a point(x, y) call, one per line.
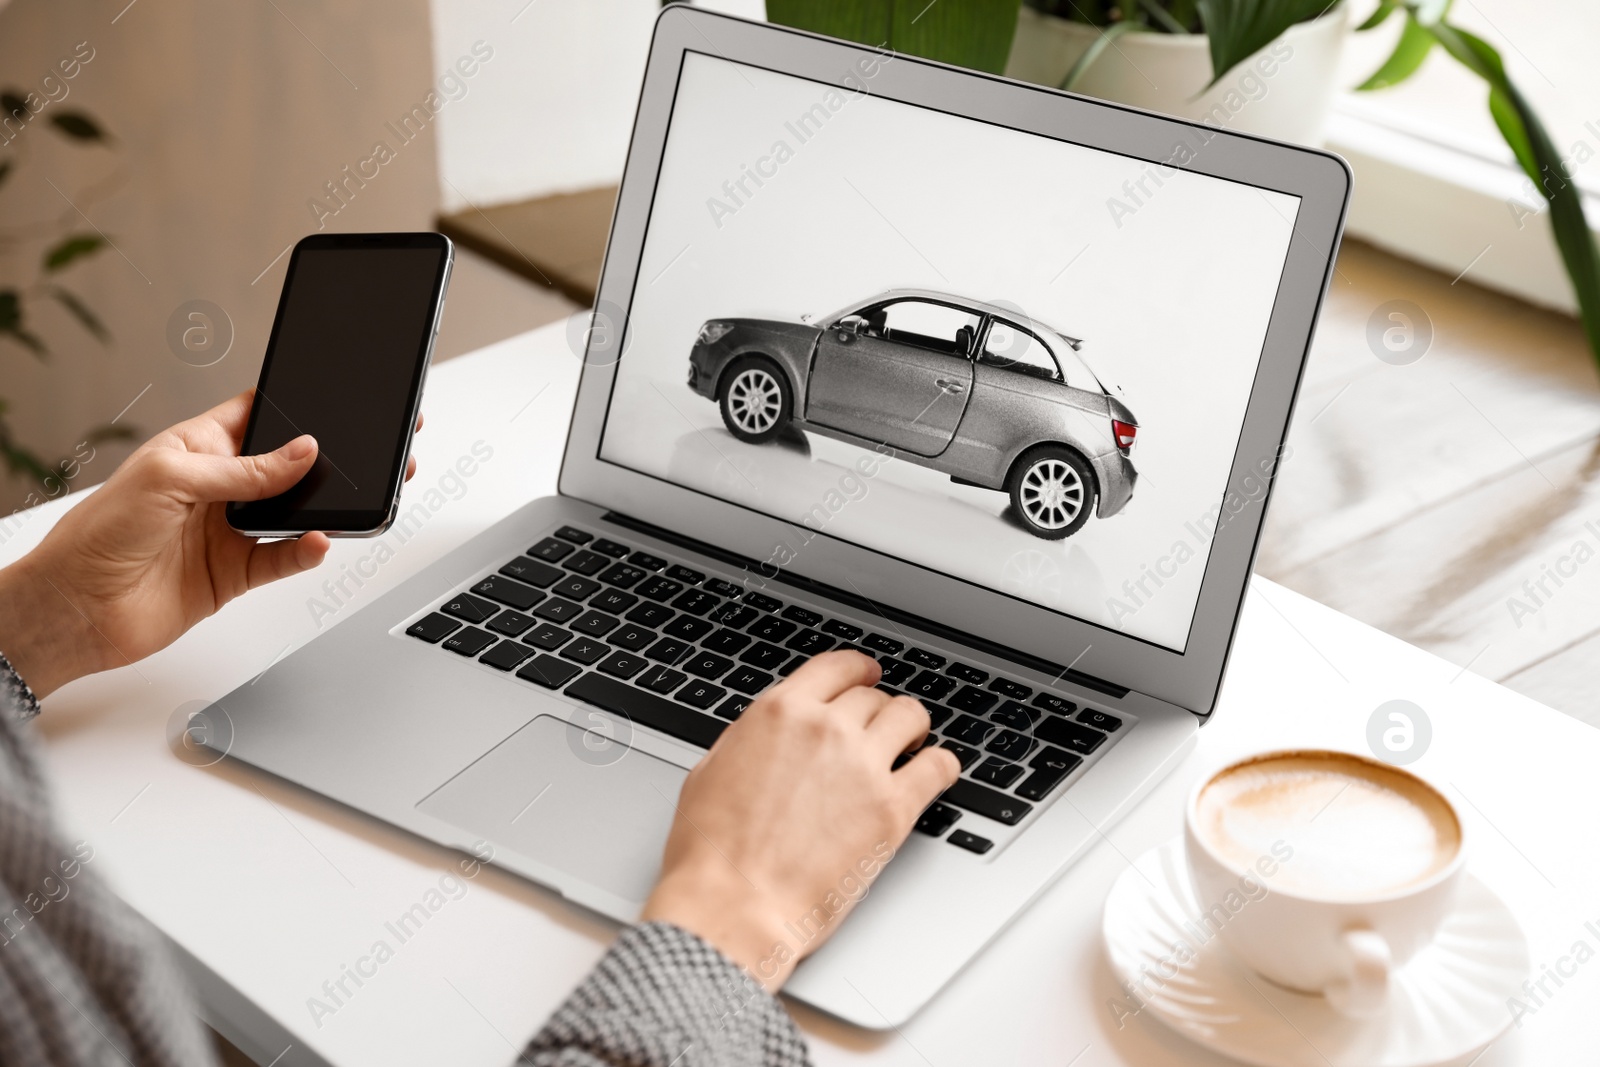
point(986, 381)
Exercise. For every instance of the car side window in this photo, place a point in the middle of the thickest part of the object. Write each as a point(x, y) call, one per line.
point(937, 327)
point(1013, 348)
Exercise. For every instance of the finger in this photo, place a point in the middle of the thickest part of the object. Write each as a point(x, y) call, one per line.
point(858, 704)
point(901, 722)
point(927, 774)
point(204, 477)
point(419, 423)
point(411, 468)
point(828, 674)
point(270, 561)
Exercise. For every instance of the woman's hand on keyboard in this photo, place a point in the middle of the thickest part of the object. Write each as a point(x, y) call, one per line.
point(794, 812)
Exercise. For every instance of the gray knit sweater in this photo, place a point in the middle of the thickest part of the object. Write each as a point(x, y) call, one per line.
point(84, 980)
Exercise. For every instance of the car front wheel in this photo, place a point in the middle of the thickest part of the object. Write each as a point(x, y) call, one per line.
point(756, 401)
point(1052, 491)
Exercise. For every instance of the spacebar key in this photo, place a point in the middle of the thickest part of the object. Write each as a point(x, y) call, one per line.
point(647, 709)
point(990, 803)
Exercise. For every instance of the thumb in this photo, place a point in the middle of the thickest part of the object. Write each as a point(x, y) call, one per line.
point(202, 477)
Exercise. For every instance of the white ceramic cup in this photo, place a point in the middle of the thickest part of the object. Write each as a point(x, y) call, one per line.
point(1343, 948)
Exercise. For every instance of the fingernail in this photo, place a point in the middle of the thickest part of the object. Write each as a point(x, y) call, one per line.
point(300, 447)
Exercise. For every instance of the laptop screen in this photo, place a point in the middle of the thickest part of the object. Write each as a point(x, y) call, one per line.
point(1011, 359)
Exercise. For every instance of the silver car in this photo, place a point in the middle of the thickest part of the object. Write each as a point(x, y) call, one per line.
point(973, 390)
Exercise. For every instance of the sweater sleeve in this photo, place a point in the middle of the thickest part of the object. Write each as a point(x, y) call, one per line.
point(662, 997)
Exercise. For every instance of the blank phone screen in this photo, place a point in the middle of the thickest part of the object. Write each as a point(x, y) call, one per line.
point(354, 327)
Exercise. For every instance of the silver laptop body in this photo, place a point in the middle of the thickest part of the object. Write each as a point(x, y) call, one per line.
point(986, 380)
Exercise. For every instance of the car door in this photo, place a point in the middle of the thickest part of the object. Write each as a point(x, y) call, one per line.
point(899, 373)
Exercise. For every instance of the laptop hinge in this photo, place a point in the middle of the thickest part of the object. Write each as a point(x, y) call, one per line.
point(768, 572)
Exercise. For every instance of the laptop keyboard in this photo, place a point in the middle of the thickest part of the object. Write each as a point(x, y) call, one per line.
point(685, 653)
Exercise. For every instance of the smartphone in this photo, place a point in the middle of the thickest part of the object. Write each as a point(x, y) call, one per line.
point(346, 362)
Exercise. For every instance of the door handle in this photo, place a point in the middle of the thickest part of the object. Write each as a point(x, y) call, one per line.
point(949, 385)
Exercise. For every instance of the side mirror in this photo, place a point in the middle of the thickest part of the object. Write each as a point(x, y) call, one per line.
point(849, 328)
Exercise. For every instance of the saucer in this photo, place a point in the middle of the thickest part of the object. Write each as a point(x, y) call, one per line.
point(1447, 1003)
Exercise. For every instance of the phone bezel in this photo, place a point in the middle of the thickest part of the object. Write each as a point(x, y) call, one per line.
point(246, 517)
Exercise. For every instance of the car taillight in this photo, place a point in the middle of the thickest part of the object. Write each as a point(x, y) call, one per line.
point(1124, 432)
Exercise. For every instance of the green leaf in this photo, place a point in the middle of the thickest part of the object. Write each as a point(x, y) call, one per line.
point(71, 248)
point(5, 170)
point(1409, 51)
point(11, 323)
point(1238, 29)
point(1378, 17)
point(80, 311)
point(1162, 17)
point(1093, 52)
point(863, 21)
point(966, 33)
point(22, 460)
point(1542, 162)
point(12, 105)
point(78, 126)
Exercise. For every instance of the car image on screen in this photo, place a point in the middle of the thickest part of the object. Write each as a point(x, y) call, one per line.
point(977, 391)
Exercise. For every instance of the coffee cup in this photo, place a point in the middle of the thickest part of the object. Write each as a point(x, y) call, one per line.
point(1323, 871)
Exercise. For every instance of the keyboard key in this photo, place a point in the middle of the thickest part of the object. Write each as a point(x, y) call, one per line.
point(1042, 781)
point(970, 842)
point(989, 803)
point(660, 679)
point(575, 535)
point(748, 680)
point(773, 629)
point(1007, 688)
point(733, 615)
point(938, 714)
point(794, 664)
point(468, 641)
point(679, 573)
point(896, 671)
point(468, 607)
point(1015, 715)
point(587, 563)
point(512, 594)
point(931, 685)
point(708, 665)
point(842, 629)
point(937, 819)
point(549, 672)
point(922, 658)
point(965, 753)
point(511, 623)
point(614, 601)
point(1052, 756)
point(611, 548)
point(803, 616)
point(623, 576)
point(970, 698)
point(879, 643)
point(433, 627)
point(668, 650)
point(551, 550)
point(727, 642)
point(576, 587)
point(763, 602)
point(548, 637)
point(997, 772)
point(595, 623)
point(968, 729)
point(633, 637)
point(701, 694)
point(658, 588)
point(1051, 702)
point(557, 610)
point(722, 587)
point(688, 628)
point(647, 561)
point(696, 602)
point(531, 571)
point(1008, 744)
point(1100, 720)
point(585, 650)
point(763, 655)
point(1072, 736)
point(970, 675)
point(506, 655)
point(650, 614)
point(647, 709)
point(622, 664)
point(809, 642)
point(865, 651)
point(733, 707)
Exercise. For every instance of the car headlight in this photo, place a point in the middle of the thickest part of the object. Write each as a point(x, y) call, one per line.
point(712, 332)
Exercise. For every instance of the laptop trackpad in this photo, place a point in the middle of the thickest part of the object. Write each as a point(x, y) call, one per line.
point(568, 797)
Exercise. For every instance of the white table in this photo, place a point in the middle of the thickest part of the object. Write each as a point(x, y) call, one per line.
point(269, 890)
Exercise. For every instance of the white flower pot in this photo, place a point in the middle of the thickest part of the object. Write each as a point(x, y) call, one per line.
point(1283, 91)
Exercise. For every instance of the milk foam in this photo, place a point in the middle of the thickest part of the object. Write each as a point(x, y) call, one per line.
point(1358, 830)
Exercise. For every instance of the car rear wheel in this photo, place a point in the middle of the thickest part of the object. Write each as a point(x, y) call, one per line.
point(755, 401)
point(1052, 490)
